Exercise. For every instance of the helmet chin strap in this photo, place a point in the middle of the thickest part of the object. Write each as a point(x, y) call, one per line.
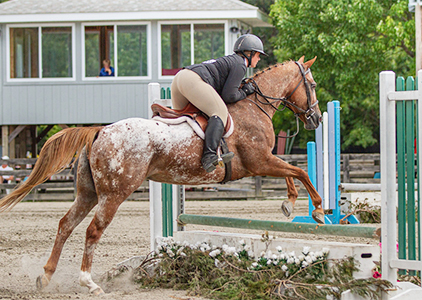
point(249, 58)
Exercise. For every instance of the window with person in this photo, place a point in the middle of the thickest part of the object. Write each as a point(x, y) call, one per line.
point(52, 60)
point(124, 44)
point(178, 44)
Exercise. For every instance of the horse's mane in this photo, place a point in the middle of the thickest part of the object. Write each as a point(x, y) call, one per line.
point(270, 67)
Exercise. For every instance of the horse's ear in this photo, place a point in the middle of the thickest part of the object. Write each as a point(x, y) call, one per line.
point(309, 63)
point(301, 59)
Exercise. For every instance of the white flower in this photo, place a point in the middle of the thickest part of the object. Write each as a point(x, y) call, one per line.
point(170, 253)
point(301, 257)
point(278, 248)
point(250, 253)
point(290, 260)
point(306, 250)
point(318, 254)
point(287, 273)
point(269, 262)
point(284, 268)
point(325, 250)
point(160, 255)
point(182, 254)
point(254, 264)
point(282, 256)
point(247, 247)
point(292, 254)
point(304, 264)
point(159, 247)
point(275, 262)
point(297, 261)
point(214, 247)
point(262, 254)
point(309, 260)
point(274, 257)
point(214, 253)
point(242, 242)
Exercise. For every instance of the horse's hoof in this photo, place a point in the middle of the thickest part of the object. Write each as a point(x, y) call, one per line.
point(98, 292)
point(287, 208)
point(318, 217)
point(42, 282)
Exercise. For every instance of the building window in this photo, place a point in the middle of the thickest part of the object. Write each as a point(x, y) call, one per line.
point(124, 44)
point(24, 53)
point(56, 52)
point(179, 47)
point(52, 60)
point(99, 45)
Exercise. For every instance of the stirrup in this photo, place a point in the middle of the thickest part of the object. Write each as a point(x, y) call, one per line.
point(212, 162)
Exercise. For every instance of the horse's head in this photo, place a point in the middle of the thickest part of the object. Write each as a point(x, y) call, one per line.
point(301, 97)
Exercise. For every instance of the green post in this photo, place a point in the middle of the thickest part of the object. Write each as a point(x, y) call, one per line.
point(401, 179)
point(410, 170)
point(167, 209)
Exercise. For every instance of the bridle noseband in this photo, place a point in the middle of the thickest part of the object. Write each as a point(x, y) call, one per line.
point(286, 103)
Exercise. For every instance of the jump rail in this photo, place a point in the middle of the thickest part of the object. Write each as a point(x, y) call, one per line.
point(316, 229)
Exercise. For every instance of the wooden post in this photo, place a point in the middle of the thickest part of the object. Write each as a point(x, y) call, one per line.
point(258, 186)
point(5, 139)
point(346, 168)
point(12, 143)
point(418, 36)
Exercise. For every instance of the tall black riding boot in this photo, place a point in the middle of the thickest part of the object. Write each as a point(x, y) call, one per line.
point(213, 134)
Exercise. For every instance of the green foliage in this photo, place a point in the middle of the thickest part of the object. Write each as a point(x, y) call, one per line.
point(232, 273)
point(354, 41)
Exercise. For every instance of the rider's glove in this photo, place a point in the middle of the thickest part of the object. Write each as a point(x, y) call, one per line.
point(248, 88)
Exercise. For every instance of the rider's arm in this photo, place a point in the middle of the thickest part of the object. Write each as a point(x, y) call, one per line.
point(230, 92)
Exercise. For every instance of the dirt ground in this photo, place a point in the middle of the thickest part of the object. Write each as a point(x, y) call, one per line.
point(27, 235)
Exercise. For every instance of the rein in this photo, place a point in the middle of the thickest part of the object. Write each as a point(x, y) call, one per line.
point(286, 103)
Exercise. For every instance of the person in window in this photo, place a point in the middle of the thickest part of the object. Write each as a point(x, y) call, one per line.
point(211, 85)
point(107, 70)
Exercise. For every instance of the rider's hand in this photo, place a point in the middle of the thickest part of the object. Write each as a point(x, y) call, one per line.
point(248, 88)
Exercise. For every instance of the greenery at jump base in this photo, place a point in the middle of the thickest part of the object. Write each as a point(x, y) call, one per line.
point(234, 273)
point(354, 40)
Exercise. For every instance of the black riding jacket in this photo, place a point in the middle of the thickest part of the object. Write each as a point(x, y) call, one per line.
point(224, 74)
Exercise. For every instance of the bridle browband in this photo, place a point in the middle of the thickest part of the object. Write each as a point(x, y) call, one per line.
point(286, 103)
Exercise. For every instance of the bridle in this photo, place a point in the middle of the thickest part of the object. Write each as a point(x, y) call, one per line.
point(286, 103)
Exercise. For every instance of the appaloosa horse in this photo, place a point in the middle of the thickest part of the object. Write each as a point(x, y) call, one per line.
point(114, 160)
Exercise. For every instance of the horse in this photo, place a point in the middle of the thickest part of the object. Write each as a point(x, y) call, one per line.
point(114, 160)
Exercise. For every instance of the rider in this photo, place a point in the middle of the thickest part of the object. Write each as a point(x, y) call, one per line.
point(211, 85)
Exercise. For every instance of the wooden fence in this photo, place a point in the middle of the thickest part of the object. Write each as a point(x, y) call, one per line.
point(356, 168)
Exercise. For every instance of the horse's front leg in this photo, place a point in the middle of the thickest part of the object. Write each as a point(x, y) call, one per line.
point(278, 168)
point(288, 205)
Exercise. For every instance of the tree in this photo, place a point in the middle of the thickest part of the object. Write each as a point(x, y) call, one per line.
point(354, 40)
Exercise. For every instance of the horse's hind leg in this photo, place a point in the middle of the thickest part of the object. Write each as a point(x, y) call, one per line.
point(85, 200)
point(107, 208)
point(288, 205)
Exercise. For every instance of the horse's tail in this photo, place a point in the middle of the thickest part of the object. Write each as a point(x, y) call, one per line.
point(55, 156)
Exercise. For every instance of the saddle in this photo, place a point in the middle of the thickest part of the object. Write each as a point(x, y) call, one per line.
point(189, 111)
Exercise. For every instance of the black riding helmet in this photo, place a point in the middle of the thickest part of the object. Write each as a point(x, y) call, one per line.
point(248, 42)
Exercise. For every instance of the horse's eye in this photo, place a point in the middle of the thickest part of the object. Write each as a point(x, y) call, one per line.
point(313, 85)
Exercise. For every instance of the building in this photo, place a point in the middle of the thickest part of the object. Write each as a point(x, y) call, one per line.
point(52, 51)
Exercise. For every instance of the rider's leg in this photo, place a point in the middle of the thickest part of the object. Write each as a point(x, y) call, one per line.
point(178, 101)
point(213, 134)
point(205, 98)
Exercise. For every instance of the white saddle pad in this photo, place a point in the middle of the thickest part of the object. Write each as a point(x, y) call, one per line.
point(198, 130)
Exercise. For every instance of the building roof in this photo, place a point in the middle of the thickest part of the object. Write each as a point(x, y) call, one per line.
point(14, 11)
